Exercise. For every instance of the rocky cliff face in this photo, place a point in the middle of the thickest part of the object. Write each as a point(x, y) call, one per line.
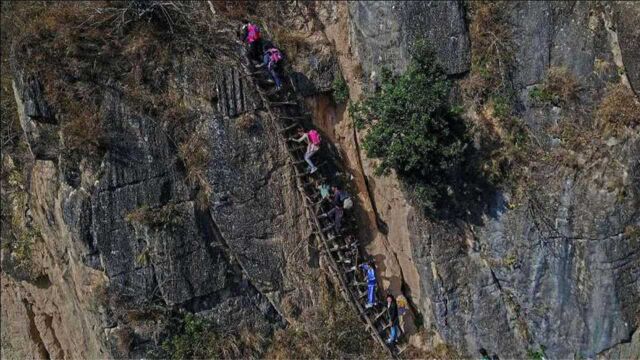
point(130, 242)
point(552, 269)
point(129, 239)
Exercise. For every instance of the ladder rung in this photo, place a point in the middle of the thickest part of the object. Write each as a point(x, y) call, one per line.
point(290, 127)
point(385, 327)
point(283, 103)
point(295, 118)
point(378, 316)
point(401, 349)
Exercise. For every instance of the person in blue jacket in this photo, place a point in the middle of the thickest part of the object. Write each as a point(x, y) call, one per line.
point(371, 283)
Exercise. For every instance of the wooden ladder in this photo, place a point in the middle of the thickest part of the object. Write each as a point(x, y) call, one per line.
point(341, 250)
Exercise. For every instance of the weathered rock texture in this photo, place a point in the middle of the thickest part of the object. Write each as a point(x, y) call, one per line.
point(557, 268)
point(384, 31)
point(110, 281)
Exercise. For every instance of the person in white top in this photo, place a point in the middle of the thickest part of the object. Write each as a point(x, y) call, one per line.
point(313, 145)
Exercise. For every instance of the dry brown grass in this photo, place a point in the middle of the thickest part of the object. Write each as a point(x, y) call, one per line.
point(619, 107)
point(235, 9)
point(84, 132)
point(491, 51)
point(195, 156)
point(440, 352)
point(161, 217)
point(329, 330)
point(246, 121)
point(562, 84)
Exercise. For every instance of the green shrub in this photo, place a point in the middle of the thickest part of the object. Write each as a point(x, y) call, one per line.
point(198, 338)
point(340, 89)
point(536, 354)
point(412, 130)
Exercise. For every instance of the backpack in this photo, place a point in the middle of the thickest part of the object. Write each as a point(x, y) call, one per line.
point(314, 137)
point(402, 305)
point(253, 33)
point(347, 203)
point(275, 55)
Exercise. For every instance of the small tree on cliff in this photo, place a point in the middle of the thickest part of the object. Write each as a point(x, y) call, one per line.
point(412, 130)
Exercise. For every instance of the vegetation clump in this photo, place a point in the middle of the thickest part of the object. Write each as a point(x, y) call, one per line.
point(559, 87)
point(198, 338)
point(619, 108)
point(330, 330)
point(166, 216)
point(503, 138)
point(412, 129)
point(492, 54)
point(340, 89)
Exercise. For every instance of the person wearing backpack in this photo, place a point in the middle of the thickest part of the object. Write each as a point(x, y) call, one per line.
point(251, 36)
point(341, 201)
point(313, 145)
point(270, 58)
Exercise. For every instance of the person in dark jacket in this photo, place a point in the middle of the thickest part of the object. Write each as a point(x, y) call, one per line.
point(335, 214)
point(392, 316)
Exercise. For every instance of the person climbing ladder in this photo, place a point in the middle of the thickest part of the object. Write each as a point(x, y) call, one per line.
point(313, 145)
point(251, 36)
point(371, 283)
point(392, 316)
point(319, 197)
point(270, 58)
point(341, 201)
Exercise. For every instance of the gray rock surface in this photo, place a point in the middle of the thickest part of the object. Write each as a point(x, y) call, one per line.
point(384, 31)
point(225, 260)
point(561, 269)
point(627, 16)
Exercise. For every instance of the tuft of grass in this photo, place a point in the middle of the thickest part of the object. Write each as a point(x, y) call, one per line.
point(199, 338)
point(492, 52)
point(619, 107)
point(560, 86)
point(234, 9)
point(84, 132)
point(246, 121)
point(163, 217)
point(195, 156)
point(329, 330)
point(536, 354)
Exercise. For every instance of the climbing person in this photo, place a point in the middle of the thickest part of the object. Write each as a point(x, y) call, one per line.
point(251, 36)
point(340, 201)
point(271, 56)
point(392, 316)
point(371, 283)
point(323, 188)
point(324, 192)
point(313, 145)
